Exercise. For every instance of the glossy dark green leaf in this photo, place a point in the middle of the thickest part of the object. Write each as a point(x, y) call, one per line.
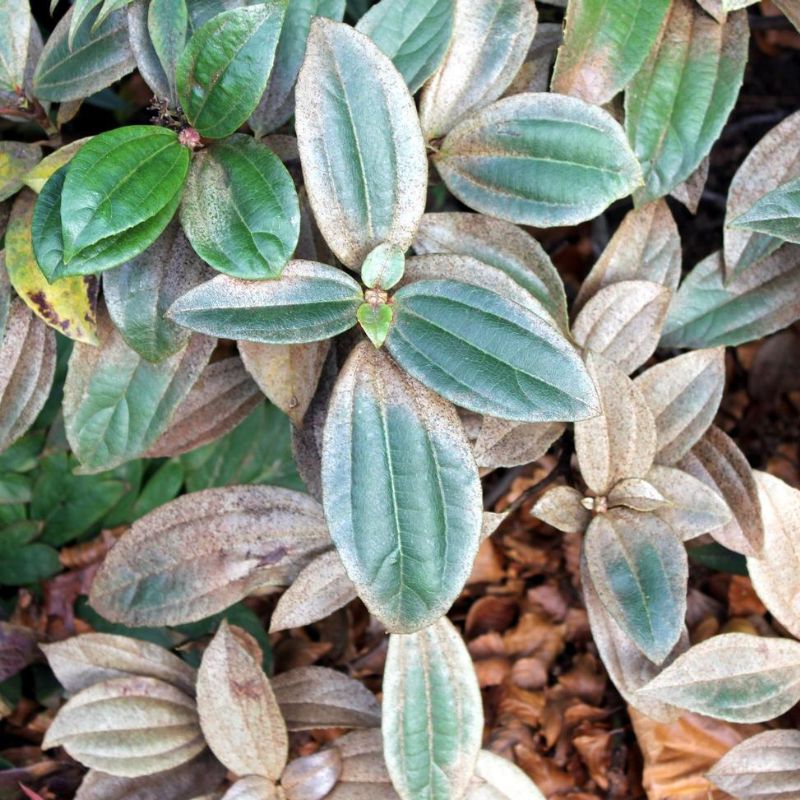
point(240, 209)
point(401, 491)
point(414, 34)
point(96, 59)
point(777, 213)
point(539, 159)
point(511, 362)
point(277, 103)
point(709, 310)
point(116, 404)
point(167, 24)
point(678, 102)
point(16, 22)
point(139, 292)
point(29, 564)
point(362, 150)
point(224, 69)
point(639, 570)
point(309, 302)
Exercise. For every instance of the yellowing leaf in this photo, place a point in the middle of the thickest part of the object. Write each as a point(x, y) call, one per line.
point(16, 158)
point(37, 177)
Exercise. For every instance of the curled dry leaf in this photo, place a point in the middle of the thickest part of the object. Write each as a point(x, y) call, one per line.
point(202, 552)
point(621, 441)
point(623, 322)
point(506, 443)
point(17, 649)
point(92, 658)
point(776, 571)
point(763, 767)
point(683, 394)
point(27, 366)
point(497, 778)
point(562, 508)
point(319, 589)
point(178, 783)
point(318, 697)
point(489, 43)
point(222, 397)
point(645, 247)
point(128, 727)
point(238, 711)
point(734, 676)
point(429, 685)
point(720, 464)
point(312, 777)
point(288, 374)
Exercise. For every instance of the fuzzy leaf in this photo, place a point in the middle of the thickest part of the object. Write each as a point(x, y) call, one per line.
point(683, 394)
point(414, 34)
point(16, 160)
point(224, 68)
point(640, 571)
point(605, 44)
point(240, 209)
point(505, 443)
point(313, 776)
point(363, 154)
point(562, 508)
point(489, 43)
point(539, 159)
point(16, 22)
point(429, 686)
point(310, 302)
point(202, 552)
point(497, 778)
point(638, 494)
point(167, 24)
point(401, 491)
point(734, 676)
point(516, 364)
point(776, 213)
point(678, 103)
point(318, 697)
point(253, 787)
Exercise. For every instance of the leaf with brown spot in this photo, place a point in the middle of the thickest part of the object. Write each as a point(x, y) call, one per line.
point(621, 441)
point(238, 711)
point(222, 397)
point(287, 374)
point(27, 366)
point(683, 394)
point(507, 443)
point(202, 552)
point(623, 322)
point(318, 697)
point(646, 246)
point(68, 305)
point(719, 463)
point(562, 508)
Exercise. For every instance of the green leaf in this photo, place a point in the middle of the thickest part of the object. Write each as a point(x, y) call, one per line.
point(116, 405)
point(167, 24)
point(224, 69)
point(709, 310)
point(734, 676)
point(309, 302)
point(163, 486)
point(512, 362)
point(29, 564)
point(14, 488)
point(718, 558)
point(776, 213)
point(430, 686)
point(679, 101)
point(5, 295)
point(16, 22)
point(539, 159)
point(401, 491)
point(605, 44)
point(277, 103)
point(362, 150)
point(414, 34)
point(117, 190)
point(17, 534)
point(501, 245)
point(96, 59)
point(383, 267)
point(489, 44)
point(68, 305)
point(16, 159)
point(240, 209)
point(139, 292)
point(375, 321)
point(80, 12)
point(640, 571)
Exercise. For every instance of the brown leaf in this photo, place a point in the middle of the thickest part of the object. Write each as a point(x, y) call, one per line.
point(562, 508)
point(690, 192)
point(17, 649)
point(239, 715)
point(507, 443)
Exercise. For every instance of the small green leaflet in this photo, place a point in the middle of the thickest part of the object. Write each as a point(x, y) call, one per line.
point(415, 34)
point(308, 303)
point(225, 67)
point(539, 159)
point(512, 363)
point(240, 209)
point(777, 213)
point(401, 491)
point(375, 320)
